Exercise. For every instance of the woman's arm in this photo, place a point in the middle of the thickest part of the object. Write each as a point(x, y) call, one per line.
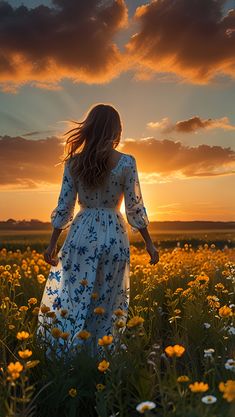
point(152, 251)
point(62, 215)
point(50, 252)
point(135, 209)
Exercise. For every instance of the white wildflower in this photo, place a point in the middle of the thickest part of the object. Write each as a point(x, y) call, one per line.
point(209, 399)
point(208, 353)
point(145, 406)
point(230, 365)
point(231, 330)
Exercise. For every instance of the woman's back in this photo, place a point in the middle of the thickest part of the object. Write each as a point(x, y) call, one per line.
point(122, 181)
point(110, 194)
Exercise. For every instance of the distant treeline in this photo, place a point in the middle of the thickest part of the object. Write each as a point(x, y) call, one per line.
point(32, 224)
point(35, 224)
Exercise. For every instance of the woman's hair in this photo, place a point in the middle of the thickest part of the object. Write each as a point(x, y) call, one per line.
point(90, 143)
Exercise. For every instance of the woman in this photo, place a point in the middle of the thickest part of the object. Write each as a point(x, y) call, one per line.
point(89, 277)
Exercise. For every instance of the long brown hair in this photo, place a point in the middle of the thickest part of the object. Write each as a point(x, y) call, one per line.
point(90, 143)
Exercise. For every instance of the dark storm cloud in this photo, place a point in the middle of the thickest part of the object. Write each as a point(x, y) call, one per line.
point(30, 164)
point(192, 39)
point(70, 39)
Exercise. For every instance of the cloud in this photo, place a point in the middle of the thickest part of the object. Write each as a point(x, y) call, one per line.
point(30, 164)
point(194, 40)
point(38, 132)
point(71, 39)
point(191, 125)
point(172, 159)
point(77, 40)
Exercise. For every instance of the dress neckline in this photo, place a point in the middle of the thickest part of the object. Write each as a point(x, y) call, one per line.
point(117, 164)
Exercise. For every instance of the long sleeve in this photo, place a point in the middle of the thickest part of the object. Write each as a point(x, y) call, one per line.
point(134, 206)
point(62, 215)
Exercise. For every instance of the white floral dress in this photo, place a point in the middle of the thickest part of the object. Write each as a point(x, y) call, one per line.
point(94, 260)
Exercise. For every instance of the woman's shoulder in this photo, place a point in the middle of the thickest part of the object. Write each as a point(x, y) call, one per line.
point(127, 156)
point(129, 160)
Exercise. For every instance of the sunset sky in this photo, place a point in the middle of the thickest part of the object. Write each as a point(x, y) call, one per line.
point(167, 66)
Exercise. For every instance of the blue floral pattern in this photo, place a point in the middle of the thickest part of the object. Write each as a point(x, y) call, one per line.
point(94, 260)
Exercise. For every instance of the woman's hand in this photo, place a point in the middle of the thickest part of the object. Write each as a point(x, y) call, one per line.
point(50, 255)
point(152, 251)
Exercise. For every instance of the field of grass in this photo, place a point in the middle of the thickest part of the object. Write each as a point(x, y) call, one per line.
point(20, 239)
point(174, 357)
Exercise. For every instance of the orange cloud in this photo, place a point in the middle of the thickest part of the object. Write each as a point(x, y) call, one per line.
point(29, 164)
point(75, 39)
point(168, 158)
point(72, 39)
point(191, 39)
point(191, 125)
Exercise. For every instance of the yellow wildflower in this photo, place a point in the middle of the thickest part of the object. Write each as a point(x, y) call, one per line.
point(100, 387)
point(119, 312)
point(73, 392)
point(106, 340)
point(228, 388)
point(24, 354)
point(176, 350)
point(56, 332)
point(135, 321)
point(22, 335)
point(83, 335)
point(99, 310)
point(41, 279)
point(198, 387)
point(219, 286)
point(63, 312)
point(178, 290)
point(32, 300)
point(14, 369)
point(51, 314)
point(225, 311)
point(45, 309)
point(183, 378)
point(23, 308)
point(119, 324)
point(213, 301)
point(64, 335)
point(202, 278)
point(103, 366)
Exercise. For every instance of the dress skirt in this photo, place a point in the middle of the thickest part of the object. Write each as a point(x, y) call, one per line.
point(90, 281)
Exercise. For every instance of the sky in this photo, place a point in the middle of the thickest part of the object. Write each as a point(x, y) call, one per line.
point(167, 66)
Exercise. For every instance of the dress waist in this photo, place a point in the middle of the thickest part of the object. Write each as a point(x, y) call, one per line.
point(83, 207)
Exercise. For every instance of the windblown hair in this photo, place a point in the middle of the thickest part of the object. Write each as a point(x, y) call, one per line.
point(89, 145)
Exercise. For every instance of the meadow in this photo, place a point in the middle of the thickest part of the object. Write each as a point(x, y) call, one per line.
point(174, 357)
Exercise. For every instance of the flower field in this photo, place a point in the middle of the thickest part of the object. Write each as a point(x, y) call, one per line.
point(175, 355)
